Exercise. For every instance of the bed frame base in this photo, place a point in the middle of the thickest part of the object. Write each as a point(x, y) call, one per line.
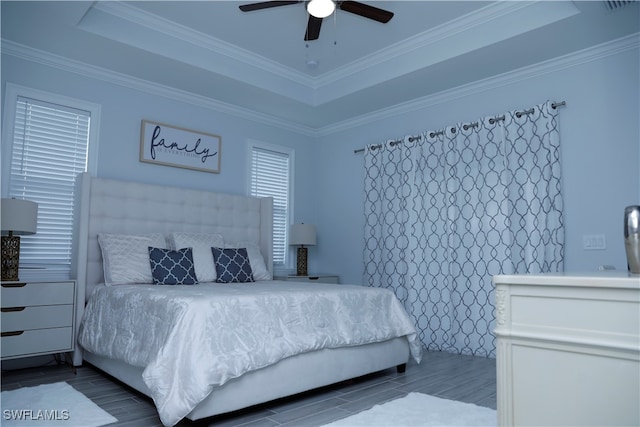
point(288, 377)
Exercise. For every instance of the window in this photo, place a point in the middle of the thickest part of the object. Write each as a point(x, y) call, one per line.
point(271, 176)
point(49, 146)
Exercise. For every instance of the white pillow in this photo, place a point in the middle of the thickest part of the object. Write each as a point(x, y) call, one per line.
point(258, 266)
point(201, 243)
point(125, 257)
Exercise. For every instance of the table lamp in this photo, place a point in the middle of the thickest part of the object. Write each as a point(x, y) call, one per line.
point(18, 217)
point(302, 234)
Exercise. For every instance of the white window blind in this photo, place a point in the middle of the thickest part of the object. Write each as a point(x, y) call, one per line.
point(270, 178)
point(50, 146)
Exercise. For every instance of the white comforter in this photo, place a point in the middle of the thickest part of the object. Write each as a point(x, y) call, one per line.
point(189, 339)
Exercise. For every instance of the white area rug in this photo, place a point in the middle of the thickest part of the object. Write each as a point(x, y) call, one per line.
point(417, 409)
point(51, 405)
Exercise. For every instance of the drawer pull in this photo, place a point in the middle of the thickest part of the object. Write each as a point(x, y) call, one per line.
point(14, 285)
point(314, 277)
point(11, 334)
point(11, 309)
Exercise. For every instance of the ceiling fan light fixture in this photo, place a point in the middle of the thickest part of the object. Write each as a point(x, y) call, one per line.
point(321, 8)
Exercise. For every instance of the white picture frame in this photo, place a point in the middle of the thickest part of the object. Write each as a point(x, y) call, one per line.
point(168, 145)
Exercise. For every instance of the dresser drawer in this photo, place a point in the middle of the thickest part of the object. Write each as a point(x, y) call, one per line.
point(38, 317)
point(39, 341)
point(41, 293)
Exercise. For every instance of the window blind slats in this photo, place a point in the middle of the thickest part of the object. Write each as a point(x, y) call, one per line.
point(51, 152)
point(270, 178)
point(42, 135)
point(50, 148)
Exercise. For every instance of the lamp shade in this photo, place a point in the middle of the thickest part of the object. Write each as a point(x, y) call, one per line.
point(302, 234)
point(18, 216)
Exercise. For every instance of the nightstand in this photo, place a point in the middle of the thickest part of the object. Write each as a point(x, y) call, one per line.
point(37, 318)
point(323, 278)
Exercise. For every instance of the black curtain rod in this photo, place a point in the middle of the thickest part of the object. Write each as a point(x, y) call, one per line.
point(465, 127)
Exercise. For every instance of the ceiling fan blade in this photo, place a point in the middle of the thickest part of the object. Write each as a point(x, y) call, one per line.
point(265, 5)
point(313, 28)
point(366, 11)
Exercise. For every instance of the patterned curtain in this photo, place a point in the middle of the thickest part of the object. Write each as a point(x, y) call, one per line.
point(446, 211)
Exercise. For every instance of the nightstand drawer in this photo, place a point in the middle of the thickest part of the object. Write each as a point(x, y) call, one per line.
point(41, 293)
point(323, 279)
point(39, 317)
point(318, 278)
point(39, 341)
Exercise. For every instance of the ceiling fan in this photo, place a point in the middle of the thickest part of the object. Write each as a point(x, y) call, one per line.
point(315, 18)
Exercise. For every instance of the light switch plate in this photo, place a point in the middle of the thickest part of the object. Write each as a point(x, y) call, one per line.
point(595, 242)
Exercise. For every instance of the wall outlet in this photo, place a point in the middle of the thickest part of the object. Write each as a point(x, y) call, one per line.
point(591, 242)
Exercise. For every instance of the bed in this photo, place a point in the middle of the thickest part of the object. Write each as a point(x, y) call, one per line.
point(170, 356)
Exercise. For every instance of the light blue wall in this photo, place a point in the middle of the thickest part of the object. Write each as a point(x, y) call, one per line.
point(600, 143)
point(599, 133)
point(122, 110)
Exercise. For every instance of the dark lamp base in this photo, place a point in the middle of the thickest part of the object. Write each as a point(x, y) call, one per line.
point(10, 258)
point(302, 262)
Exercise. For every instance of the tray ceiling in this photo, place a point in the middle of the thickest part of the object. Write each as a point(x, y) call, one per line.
point(258, 61)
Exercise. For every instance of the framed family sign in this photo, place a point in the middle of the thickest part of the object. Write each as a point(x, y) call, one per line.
point(183, 148)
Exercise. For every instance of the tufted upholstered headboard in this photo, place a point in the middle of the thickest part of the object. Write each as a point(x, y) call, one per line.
point(111, 206)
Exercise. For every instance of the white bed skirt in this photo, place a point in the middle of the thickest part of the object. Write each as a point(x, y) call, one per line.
point(287, 377)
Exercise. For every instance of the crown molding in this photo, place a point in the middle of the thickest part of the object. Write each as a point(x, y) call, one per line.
point(484, 26)
point(574, 59)
point(51, 60)
point(126, 24)
point(188, 35)
point(480, 28)
point(410, 45)
point(594, 53)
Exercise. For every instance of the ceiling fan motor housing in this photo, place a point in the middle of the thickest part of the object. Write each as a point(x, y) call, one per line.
point(315, 23)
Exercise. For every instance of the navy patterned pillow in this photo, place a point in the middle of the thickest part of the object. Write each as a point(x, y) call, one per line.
point(232, 265)
point(169, 267)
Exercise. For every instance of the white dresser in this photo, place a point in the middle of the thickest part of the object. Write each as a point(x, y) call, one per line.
point(37, 318)
point(568, 349)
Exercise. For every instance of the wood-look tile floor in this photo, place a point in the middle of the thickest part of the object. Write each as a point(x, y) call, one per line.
point(464, 378)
